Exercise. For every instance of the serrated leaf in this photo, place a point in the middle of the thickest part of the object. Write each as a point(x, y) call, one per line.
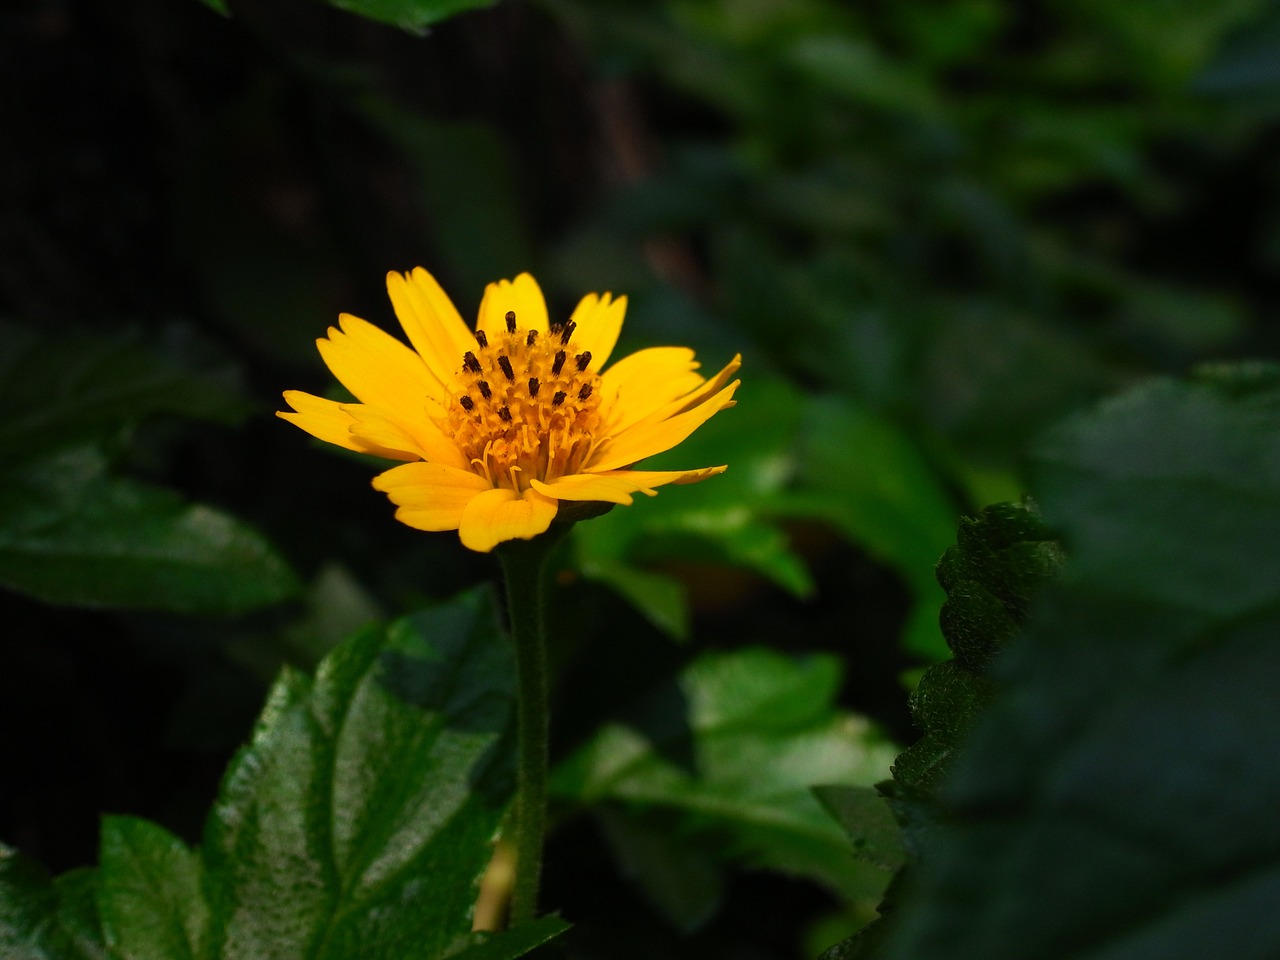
point(359, 819)
point(42, 919)
point(150, 900)
point(753, 731)
point(60, 391)
point(70, 534)
point(1118, 798)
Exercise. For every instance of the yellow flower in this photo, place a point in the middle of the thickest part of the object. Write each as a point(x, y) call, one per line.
point(505, 423)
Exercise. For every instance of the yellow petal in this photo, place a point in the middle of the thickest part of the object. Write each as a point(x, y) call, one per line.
point(616, 486)
point(327, 420)
point(599, 321)
point(645, 381)
point(644, 440)
point(521, 296)
point(389, 429)
point(378, 368)
point(430, 496)
point(431, 322)
point(694, 397)
point(501, 514)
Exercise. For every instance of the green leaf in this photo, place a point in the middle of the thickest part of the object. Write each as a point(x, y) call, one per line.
point(684, 881)
point(727, 520)
point(413, 15)
point(70, 534)
point(868, 821)
point(60, 391)
point(150, 899)
point(1118, 797)
point(359, 818)
point(218, 6)
point(871, 479)
point(733, 748)
point(42, 919)
point(510, 944)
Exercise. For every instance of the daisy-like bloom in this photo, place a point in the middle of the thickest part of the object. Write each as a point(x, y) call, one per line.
point(511, 424)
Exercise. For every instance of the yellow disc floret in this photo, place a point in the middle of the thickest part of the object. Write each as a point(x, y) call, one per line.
point(525, 405)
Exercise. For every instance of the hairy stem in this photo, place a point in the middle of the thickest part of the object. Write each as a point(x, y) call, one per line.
point(522, 564)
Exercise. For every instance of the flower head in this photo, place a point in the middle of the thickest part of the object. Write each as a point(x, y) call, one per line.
point(506, 424)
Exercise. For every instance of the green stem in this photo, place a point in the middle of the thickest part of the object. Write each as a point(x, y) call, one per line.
point(522, 564)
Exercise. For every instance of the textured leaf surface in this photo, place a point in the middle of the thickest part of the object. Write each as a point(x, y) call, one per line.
point(150, 898)
point(355, 824)
point(70, 534)
point(733, 747)
point(359, 818)
point(44, 919)
point(1118, 799)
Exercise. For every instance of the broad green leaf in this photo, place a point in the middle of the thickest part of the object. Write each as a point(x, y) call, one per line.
point(873, 482)
point(149, 895)
point(733, 749)
point(44, 919)
point(414, 15)
point(359, 818)
point(730, 519)
point(70, 534)
point(1118, 797)
point(60, 391)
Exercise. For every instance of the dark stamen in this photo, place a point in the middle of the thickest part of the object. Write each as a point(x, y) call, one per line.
point(529, 340)
point(585, 391)
point(504, 413)
point(481, 338)
point(484, 389)
point(583, 359)
point(511, 321)
point(533, 386)
point(470, 362)
point(558, 398)
point(505, 364)
point(555, 367)
point(555, 329)
point(467, 404)
point(567, 332)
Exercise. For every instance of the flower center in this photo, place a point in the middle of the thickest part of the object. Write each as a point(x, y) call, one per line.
point(525, 406)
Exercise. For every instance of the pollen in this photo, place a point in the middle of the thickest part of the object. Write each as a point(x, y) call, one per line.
point(519, 411)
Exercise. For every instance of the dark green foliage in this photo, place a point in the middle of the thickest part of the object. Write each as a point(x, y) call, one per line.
point(1117, 796)
point(1000, 560)
point(70, 533)
point(44, 919)
point(720, 763)
point(931, 229)
point(355, 824)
